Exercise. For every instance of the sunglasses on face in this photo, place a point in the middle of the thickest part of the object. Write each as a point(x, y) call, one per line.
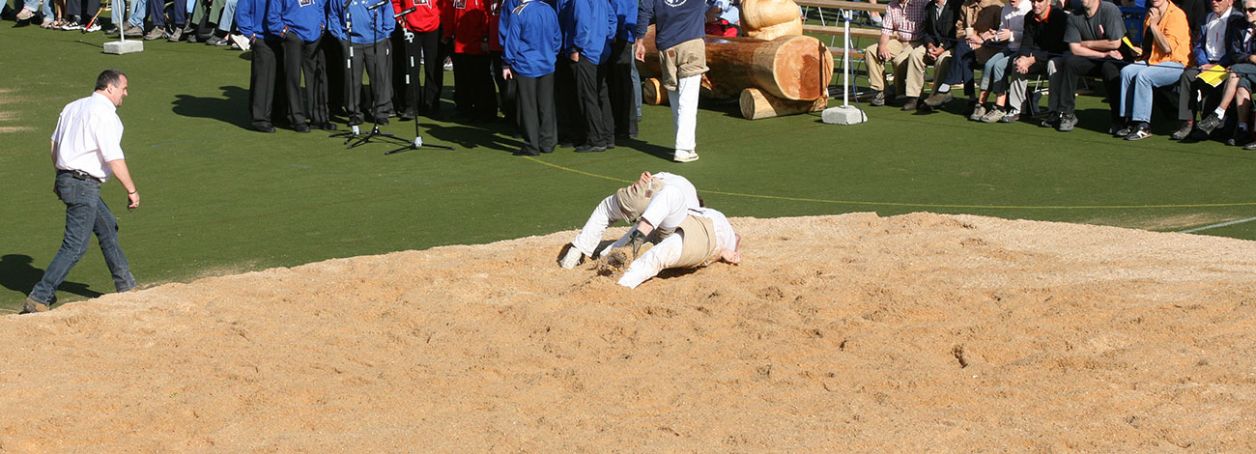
point(1250, 10)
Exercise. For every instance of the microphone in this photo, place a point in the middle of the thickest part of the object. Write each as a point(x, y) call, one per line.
point(377, 5)
point(404, 12)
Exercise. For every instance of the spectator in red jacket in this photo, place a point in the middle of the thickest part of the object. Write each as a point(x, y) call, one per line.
point(420, 31)
point(505, 88)
point(465, 25)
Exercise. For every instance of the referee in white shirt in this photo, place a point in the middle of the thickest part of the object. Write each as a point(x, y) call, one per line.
point(86, 149)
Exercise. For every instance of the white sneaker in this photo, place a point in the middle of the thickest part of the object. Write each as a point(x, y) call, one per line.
point(92, 28)
point(25, 14)
point(572, 258)
point(685, 156)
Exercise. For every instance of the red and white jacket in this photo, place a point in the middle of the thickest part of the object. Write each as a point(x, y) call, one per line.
point(466, 22)
point(425, 18)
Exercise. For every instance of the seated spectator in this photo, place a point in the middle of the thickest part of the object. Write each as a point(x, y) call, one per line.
point(1216, 45)
point(1094, 37)
point(225, 21)
point(1166, 50)
point(901, 45)
point(939, 31)
point(157, 15)
point(974, 44)
point(1239, 84)
point(723, 18)
point(1043, 40)
point(1010, 35)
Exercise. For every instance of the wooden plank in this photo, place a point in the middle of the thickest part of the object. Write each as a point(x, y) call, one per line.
point(844, 4)
point(857, 32)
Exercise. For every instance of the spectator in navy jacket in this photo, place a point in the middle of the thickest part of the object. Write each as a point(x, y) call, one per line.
point(259, 22)
point(682, 61)
point(530, 41)
point(366, 46)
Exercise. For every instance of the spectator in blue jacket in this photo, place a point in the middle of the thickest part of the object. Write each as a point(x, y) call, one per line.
point(258, 21)
point(530, 41)
point(620, 67)
point(303, 24)
point(588, 31)
point(363, 30)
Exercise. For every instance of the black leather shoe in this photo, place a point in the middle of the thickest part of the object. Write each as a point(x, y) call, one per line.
point(589, 149)
point(301, 127)
point(264, 127)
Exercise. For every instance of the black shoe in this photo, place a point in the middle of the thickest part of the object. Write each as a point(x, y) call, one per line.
point(264, 127)
point(301, 127)
point(1141, 132)
point(610, 146)
point(1183, 131)
point(910, 105)
point(525, 152)
point(1050, 121)
point(329, 126)
point(1124, 131)
point(381, 120)
point(878, 99)
point(566, 144)
point(937, 100)
point(547, 150)
point(406, 116)
point(589, 149)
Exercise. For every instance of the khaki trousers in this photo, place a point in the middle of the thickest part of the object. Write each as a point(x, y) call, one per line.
point(908, 62)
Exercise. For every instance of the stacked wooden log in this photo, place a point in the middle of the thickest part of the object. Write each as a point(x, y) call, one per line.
point(786, 75)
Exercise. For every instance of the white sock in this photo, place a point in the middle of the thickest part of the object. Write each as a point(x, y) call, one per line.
point(1220, 113)
point(944, 88)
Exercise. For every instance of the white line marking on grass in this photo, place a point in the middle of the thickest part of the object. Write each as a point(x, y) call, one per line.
point(1218, 225)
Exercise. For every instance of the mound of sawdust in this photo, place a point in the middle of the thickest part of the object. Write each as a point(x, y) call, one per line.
point(855, 332)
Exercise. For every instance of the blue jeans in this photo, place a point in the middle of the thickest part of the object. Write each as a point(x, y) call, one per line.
point(994, 69)
point(179, 13)
point(228, 16)
point(139, 10)
point(1137, 81)
point(85, 213)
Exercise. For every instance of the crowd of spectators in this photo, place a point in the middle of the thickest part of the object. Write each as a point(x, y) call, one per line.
point(588, 82)
point(1197, 57)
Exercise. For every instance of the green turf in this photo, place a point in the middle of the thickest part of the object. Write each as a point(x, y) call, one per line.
point(219, 198)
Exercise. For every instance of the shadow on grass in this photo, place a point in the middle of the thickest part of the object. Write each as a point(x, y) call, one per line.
point(231, 107)
point(17, 274)
point(471, 137)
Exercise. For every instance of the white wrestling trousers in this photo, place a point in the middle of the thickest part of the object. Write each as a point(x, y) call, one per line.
point(604, 214)
point(684, 102)
point(660, 257)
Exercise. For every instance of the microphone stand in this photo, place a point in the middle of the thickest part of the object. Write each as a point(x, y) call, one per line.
point(347, 24)
point(375, 132)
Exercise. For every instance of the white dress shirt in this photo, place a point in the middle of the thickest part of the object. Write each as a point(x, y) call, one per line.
point(88, 134)
point(1214, 29)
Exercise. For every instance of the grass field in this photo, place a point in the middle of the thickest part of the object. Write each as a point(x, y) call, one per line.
point(219, 198)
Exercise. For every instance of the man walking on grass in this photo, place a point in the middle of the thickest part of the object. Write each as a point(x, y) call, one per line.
point(86, 149)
